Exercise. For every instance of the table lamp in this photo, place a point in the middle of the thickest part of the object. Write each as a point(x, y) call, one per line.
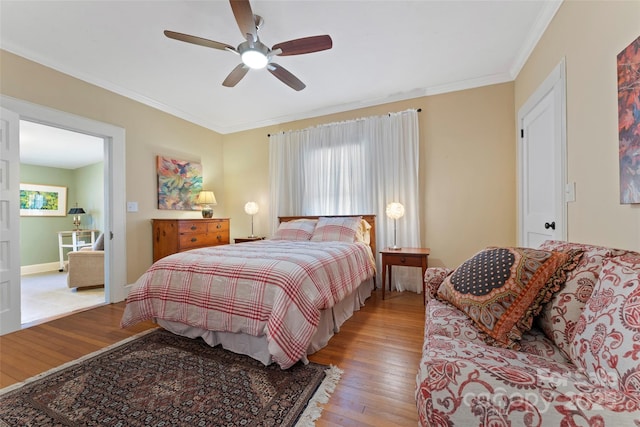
point(251, 208)
point(394, 211)
point(76, 212)
point(206, 199)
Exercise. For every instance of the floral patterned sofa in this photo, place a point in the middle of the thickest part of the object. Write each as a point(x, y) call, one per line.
point(567, 355)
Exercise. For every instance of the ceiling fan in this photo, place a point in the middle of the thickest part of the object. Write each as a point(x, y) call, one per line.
point(253, 53)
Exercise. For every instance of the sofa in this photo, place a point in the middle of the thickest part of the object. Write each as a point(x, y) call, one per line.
point(568, 354)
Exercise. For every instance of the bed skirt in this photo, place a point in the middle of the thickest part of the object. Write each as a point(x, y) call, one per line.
point(256, 346)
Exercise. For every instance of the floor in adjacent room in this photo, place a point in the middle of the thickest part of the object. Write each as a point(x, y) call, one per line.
point(46, 295)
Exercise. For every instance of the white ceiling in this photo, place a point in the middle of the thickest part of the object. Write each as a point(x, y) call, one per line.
point(43, 145)
point(382, 51)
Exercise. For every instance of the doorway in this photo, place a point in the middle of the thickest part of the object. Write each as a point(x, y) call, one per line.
point(73, 161)
point(113, 200)
point(541, 145)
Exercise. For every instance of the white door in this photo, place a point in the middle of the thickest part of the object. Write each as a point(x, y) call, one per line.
point(9, 222)
point(542, 168)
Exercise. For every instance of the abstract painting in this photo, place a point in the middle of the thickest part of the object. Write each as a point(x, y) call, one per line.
point(629, 122)
point(179, 182)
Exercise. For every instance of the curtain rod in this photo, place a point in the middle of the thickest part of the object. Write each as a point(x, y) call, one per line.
point(419, 110)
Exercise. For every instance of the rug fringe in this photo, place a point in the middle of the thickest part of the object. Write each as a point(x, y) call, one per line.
point(73, 362)
point(314, 409)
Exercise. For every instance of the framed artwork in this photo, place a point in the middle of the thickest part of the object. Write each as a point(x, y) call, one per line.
point(629, 122)
point(43, 200)
point(179, 183)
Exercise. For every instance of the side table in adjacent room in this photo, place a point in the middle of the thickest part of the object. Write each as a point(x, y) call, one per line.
point(406, 257)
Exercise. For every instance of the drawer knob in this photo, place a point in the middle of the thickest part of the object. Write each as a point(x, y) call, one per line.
point(218, 226)
point(193, 227)
point(194, 239)
point(403, 260)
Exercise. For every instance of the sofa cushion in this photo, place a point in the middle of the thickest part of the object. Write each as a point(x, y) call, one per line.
point(559, 316)
point(502, 289)
point(99, 244)
point(607, 339)
point(464, 383)
point(445, 320)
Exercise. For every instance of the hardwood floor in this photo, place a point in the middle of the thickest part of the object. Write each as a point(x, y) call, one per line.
point(379, 350)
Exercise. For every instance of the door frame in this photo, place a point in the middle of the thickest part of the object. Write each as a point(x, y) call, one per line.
point(555, 81)
point(114, 181)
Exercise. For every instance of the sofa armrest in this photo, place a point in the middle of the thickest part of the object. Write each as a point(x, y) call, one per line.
point(433, 277)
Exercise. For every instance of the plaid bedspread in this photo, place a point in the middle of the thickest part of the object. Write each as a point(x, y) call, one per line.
point(272, 288)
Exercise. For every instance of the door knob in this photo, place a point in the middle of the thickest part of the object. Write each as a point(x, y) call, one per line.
point(550, 226)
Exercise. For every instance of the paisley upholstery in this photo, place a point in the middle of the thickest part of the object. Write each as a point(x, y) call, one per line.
point(464, 381)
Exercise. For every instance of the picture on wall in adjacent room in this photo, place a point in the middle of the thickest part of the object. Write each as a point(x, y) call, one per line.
point(179, 182)
point(629, 122)
point(42, 200)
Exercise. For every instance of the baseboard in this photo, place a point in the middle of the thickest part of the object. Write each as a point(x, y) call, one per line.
point(39, 268)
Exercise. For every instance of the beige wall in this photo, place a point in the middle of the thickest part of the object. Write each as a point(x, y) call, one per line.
point(467, 170)
point(149, 132)
point(467, 161)
point(589, 34)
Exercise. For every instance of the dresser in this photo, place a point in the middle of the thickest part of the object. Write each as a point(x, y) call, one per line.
point(178, 235)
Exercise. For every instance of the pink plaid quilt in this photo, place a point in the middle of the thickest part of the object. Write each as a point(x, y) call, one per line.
point(272, 288)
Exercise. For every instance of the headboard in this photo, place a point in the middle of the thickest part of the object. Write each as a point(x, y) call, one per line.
point(371, 219)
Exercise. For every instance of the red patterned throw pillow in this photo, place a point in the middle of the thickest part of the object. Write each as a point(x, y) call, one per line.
point(502, 289)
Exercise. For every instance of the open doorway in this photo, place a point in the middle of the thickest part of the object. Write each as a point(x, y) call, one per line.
point(115, 259)
point(55, 158)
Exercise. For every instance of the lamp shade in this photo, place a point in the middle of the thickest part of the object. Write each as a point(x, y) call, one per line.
point(395, 210)
point(251, 208)
point(207, 198)
point(76, 211)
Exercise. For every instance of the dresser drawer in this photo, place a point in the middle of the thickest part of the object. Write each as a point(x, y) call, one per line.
point(190, 241)
point(404, 259)
point(192, 227)
point(218, 226)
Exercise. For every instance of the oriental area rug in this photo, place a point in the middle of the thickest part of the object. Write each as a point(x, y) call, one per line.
point(161, 379)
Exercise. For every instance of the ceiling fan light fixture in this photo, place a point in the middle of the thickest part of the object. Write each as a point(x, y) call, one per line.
point(254, 59)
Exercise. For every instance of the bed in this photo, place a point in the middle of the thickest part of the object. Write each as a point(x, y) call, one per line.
point(276, 300)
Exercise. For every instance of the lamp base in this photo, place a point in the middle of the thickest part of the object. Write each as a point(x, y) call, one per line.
point(207, 212)
point(395, 248)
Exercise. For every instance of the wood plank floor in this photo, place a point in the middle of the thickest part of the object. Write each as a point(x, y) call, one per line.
point(378, 348)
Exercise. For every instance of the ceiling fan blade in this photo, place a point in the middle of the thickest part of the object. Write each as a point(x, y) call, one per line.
point(235, 76)
point(198, 40)
point(285, 76)
point(304, 45)
point(244, 17)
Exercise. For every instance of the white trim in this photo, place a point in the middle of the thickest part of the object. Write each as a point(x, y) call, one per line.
point(115, 184)
point(549, 10)
point(555, 80)
point(40, 268)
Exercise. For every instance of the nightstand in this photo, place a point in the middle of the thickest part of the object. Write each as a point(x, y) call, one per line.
point(247, 239)
point(407, 257)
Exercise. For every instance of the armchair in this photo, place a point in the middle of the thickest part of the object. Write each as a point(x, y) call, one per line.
point(86, 268)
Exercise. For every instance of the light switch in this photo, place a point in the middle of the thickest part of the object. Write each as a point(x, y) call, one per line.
point(570, 192)
point(132, 206)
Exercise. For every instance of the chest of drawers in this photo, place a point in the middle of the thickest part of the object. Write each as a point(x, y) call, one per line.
point(178, 235)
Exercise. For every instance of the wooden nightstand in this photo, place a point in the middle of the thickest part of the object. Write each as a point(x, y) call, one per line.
point(407, 257)
point(246, 239)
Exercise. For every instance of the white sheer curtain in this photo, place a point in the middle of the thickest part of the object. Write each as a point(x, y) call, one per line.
point(349, 168)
